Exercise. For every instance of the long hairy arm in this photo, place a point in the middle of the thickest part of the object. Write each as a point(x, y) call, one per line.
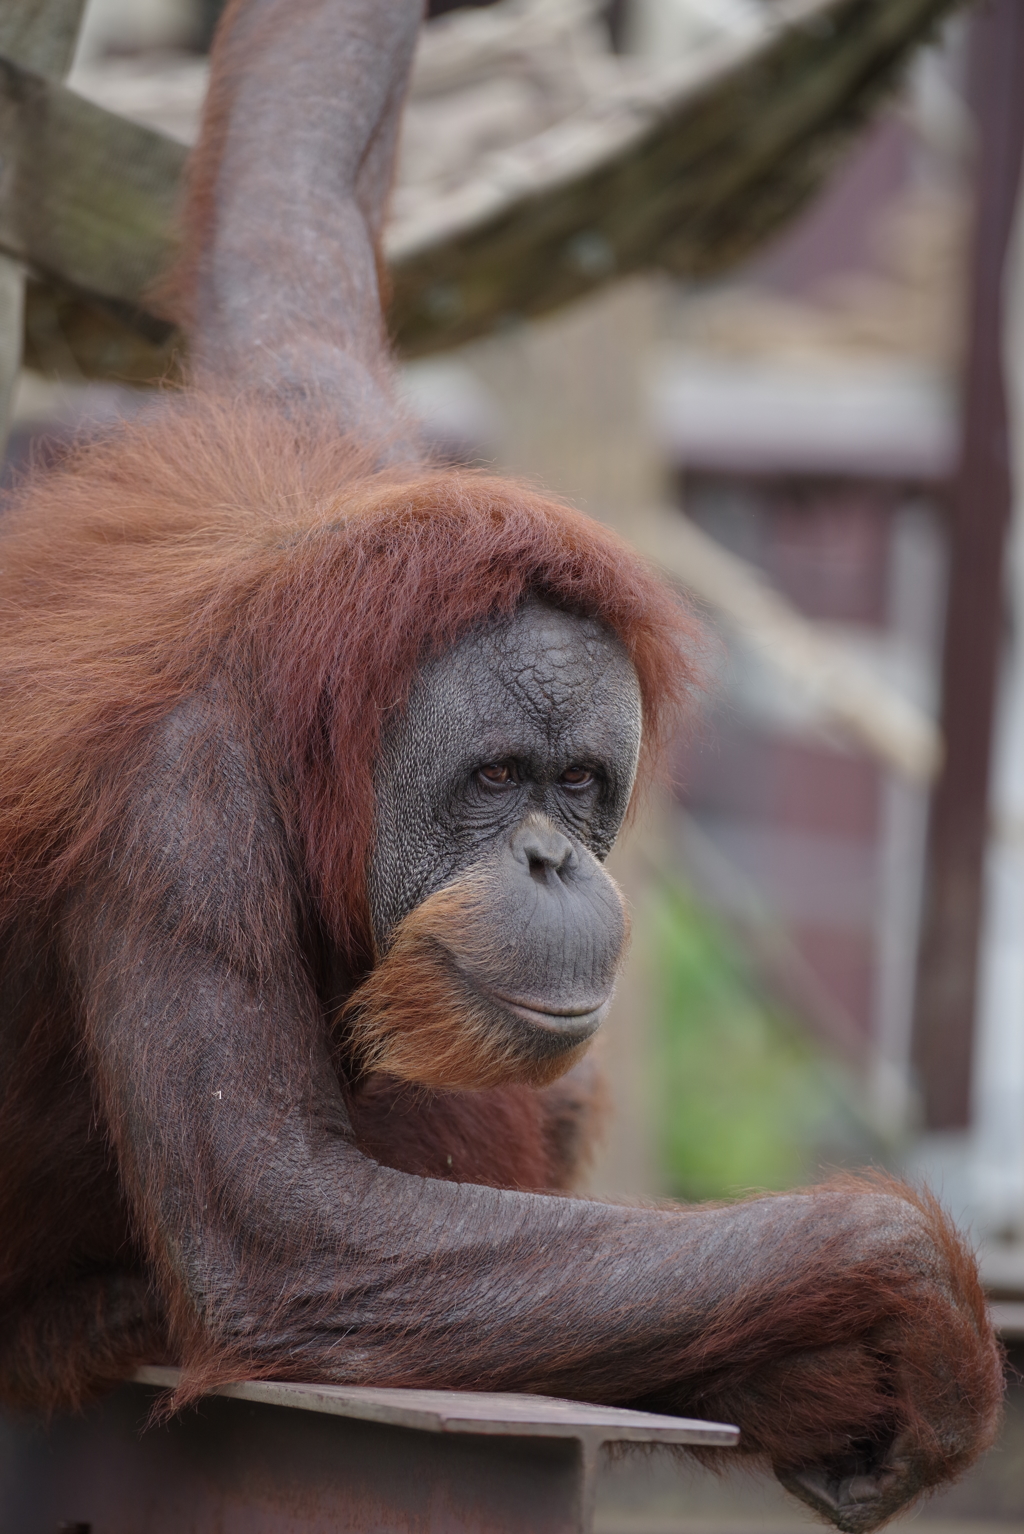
point(821, 1322)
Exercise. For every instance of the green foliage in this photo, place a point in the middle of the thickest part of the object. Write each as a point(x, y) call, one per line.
point(747, 1099)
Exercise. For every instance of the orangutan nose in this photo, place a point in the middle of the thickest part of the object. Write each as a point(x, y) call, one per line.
point(543, 850)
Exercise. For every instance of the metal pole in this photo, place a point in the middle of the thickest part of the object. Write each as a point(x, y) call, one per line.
point(980, 513)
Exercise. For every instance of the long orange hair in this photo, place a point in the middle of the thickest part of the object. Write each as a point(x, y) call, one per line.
point(218, 537)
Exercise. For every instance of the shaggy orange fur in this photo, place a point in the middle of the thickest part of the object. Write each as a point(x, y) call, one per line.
point(219, 537)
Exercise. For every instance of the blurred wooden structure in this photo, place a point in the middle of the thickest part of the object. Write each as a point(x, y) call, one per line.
point(976, 614)
point(686, 167)
point(836, 684)
point(37, 41)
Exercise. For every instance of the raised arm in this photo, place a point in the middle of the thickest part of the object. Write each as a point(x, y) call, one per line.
point(280, 278)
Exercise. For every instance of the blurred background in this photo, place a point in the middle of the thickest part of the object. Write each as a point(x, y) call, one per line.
point(828, 955)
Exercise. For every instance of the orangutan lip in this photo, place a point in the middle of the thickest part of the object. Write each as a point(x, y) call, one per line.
point(555, 1020)
point(573, 1024)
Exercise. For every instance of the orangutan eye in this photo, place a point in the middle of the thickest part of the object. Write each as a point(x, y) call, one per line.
point(577, 777)
point(498, 774)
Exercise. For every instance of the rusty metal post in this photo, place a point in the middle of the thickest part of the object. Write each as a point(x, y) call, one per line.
point(980, 513)
point(313, 1459)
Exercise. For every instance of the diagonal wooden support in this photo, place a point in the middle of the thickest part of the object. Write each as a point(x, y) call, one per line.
point(38, 35)
point(88, 198)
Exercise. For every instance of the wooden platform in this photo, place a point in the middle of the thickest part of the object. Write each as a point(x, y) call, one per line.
point(281, 1458)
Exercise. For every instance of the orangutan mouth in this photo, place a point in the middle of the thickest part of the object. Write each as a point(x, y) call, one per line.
point(570, 1023)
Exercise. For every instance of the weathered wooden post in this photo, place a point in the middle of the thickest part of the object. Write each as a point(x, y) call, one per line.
point(975, 624)
point(39, 35)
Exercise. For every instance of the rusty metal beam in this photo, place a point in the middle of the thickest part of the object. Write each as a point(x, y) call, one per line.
point(980, 513)
point(313, 1459)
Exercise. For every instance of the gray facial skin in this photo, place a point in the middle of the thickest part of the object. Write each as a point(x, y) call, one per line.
point(515, 761)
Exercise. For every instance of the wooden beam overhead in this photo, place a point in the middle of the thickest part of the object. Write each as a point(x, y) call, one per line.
point(686, 167)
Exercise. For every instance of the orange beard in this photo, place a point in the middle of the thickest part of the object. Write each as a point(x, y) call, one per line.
point(421, 1018)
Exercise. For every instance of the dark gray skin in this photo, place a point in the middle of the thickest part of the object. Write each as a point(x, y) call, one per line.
point(517, 754)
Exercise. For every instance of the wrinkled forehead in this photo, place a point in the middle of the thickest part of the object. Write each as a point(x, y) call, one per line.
point(558, 677)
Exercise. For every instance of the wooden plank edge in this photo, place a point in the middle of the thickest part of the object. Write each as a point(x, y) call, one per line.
point(456, 1411)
